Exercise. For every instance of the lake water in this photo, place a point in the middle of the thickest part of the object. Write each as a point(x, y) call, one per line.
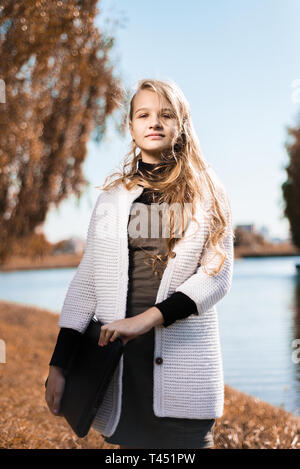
point(259, 320)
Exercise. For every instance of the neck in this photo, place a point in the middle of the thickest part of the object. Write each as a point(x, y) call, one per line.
point(150, 159)
point(144, 165)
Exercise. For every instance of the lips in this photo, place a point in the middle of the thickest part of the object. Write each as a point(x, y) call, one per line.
point(155, 135)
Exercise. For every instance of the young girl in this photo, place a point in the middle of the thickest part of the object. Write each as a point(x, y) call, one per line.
point(158, 258)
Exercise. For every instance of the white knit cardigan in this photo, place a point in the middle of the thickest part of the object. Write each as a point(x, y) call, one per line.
point(188, 382)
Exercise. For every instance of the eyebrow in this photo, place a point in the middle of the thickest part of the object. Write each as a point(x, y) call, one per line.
point(145, 108)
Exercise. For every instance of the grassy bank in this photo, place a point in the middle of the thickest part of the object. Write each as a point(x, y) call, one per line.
point(45, 262)
point(25, 421)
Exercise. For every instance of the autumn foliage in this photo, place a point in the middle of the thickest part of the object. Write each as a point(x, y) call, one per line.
point(291, 187)
point(59, 87)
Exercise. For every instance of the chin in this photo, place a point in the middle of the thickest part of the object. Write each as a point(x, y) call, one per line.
point(156, 146)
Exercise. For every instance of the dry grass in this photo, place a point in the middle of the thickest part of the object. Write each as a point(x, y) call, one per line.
point(25, 421)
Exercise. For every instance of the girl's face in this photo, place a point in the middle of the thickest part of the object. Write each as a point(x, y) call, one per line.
point(148, 118)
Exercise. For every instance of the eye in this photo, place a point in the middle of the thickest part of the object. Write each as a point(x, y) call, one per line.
point(142, 115)
point(167, 115)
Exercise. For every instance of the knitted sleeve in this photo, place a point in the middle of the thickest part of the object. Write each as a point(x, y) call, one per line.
point(207, 290)
point(80, 301)
point(177, 306)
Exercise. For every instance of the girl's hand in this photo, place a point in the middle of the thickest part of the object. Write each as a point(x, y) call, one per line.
point(54, 390)
point(129, 328)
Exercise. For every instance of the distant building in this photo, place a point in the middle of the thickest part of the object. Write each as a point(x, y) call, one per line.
point(264, 231)
point(276, 240)
point(249, 228)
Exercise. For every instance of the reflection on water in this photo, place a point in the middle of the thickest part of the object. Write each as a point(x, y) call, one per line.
point(259, 320)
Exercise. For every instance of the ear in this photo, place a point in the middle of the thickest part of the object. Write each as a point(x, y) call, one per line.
point(130, 128)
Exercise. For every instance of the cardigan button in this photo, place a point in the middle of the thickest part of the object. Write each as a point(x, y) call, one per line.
point(158, 360)
point(173, 254)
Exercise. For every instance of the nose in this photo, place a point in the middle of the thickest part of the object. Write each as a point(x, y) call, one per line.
point(156, 123)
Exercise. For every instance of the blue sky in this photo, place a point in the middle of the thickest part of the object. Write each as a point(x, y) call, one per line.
point(235, 61)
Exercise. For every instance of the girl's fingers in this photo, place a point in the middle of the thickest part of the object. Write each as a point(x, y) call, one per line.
point(56, 402)
point(102, 336)
point(108, 334)
point(105, 336)
point(50, 399)
point(114, 336)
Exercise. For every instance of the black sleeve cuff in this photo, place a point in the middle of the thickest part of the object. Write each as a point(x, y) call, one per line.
point(177, 306)
point(67, 341)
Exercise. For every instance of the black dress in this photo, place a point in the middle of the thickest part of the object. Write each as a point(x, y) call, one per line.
point(138, 426)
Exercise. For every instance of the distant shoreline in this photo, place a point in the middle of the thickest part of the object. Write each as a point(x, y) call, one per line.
point(45, 262)
point(269, 250)
point(73, 260)
point(271, 254)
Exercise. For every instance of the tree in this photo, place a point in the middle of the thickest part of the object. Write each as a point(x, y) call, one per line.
point(291, 187)
point(59, 87)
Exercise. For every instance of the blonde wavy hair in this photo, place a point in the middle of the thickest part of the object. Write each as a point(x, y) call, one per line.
point(182, 179)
